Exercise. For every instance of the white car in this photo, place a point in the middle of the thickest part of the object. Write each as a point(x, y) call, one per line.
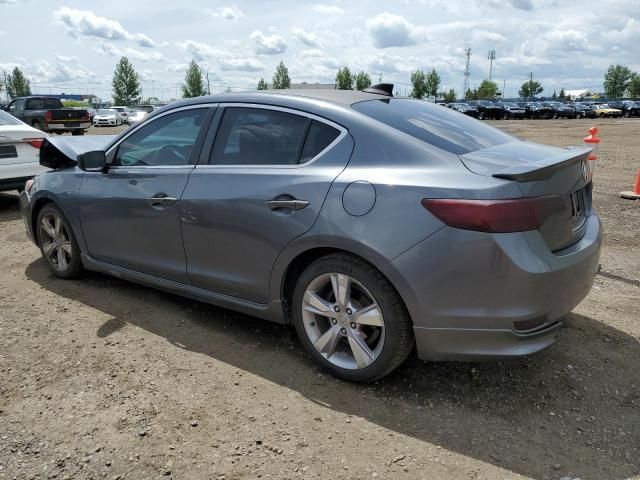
point(108, 117)
point(137, 116)
point(19, 152)
point(124, 113)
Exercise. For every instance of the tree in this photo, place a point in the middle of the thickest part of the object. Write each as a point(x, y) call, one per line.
point(634, 86)
point(449, 96)
point(471, 94)
point(126, 84)
point(281, 77)
point(616, 81)
point(487, 90)
point(262, 85)
point(418, 80)
point(17, 84)
point(530, 88)
point(432, 84)
point(344, 79)
point(555, 95)
point(363, 80)
point(562, 95)
point(193, 82)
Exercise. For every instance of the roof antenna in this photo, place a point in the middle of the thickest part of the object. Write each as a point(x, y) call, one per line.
point(385, 89)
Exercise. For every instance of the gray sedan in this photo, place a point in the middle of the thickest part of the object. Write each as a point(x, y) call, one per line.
point(373, 224)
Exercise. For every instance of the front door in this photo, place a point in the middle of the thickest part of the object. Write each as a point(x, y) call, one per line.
point(266, 179)
point(130, 215)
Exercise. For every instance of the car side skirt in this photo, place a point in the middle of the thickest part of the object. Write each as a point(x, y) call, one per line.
point(272, 311)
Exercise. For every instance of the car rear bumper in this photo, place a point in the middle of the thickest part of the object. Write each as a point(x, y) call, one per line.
point(474, 295)
point(25, 212)
point(61, 126)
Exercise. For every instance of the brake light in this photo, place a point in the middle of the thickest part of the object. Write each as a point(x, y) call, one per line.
point(34, 142)
point(48, 116)
point(495, 216)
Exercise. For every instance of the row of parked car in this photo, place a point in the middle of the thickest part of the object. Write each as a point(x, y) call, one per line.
point(486, 109)
point(118, 115)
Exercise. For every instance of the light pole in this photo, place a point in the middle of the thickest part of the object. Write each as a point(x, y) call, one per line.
point(491, 57)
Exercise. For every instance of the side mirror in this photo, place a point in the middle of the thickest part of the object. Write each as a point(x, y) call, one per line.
point(95, 161)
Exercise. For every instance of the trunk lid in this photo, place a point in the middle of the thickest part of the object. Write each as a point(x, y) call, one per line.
point(540, 170)
point(62, 152)
point(68, 115)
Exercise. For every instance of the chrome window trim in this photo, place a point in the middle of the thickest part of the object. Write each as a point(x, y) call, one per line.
point(138, 126)
point(343, 133)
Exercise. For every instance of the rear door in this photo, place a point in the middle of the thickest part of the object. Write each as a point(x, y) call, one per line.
point(262, 184)
point(130, 215)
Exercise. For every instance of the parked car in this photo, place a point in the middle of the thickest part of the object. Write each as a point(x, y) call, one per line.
point(582, 110)
point(354, 216)
point(49, 115)
point(536, 110)
point(108, 117)
point(604, 110)
point(487, 109)
point(147, 108)
point(465, 108)
point(19, 152)
point(137, 116)
point(511, 110)
point(123, 112)
point(561, 110)
point(92, 113)
point(629, 108)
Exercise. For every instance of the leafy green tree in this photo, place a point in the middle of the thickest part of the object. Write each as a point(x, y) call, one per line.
point(344, 79)
point(471, 94)
point(449, 96)
point(432, 83)
point(281, 77)
point(418, 80)
point(126, 84)
point(616, 81)
point(634, 86)
point(562, 95)
point(262, 85)
point(363, 80)
point(530, 88)
point(17, 84)
point(193, 82)
point(487, 90)
point(554, 95)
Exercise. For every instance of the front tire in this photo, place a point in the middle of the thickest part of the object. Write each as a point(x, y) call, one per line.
point(350, 319)
point(58, 243)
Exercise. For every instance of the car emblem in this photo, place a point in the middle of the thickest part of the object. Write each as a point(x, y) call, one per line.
point(586, 171)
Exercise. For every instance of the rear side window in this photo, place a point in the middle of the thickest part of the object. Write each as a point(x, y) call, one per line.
point(43, 103)
point(257, 136)
point(437, 126)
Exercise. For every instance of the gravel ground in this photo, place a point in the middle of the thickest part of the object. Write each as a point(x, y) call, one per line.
point(100, 378)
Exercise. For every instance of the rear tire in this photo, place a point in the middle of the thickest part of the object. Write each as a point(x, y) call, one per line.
point(58, 243)
point(385, 332)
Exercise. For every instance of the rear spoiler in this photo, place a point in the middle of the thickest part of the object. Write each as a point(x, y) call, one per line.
point(62, 152)
point(544, 168)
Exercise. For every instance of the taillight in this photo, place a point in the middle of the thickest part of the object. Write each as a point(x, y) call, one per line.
point(47, 116)
point(34, 142)
point(495, 216)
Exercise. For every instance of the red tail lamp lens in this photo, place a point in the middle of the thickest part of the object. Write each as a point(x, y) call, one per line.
point(34, 142)
point(495, 216)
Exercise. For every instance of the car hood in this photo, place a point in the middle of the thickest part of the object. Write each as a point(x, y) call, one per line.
point(62, 152)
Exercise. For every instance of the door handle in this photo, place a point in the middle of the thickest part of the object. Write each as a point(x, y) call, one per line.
point(289, 204)
point(161, 200)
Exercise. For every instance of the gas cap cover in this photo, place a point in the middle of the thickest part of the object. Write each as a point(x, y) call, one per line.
point(359, 198)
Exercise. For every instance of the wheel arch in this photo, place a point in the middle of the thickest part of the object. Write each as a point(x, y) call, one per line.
point(38, 205)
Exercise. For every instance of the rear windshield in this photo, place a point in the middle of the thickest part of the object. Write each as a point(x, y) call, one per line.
point(6, 119)
point(441, 127)
point(43, 103)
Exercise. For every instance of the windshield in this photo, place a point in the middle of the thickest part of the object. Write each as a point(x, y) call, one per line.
point(510, 104)
point(106, 112)
point(440, 127)
point(146, 108)
point(7, 119)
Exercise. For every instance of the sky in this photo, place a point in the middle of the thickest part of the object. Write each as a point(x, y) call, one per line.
point(73, 46)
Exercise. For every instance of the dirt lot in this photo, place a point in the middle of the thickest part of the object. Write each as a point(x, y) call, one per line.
point(104, 379)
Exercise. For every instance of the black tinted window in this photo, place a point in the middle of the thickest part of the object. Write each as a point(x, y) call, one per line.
point(319, 137)
point(43, 103)
point(440, 127)
point(167, 140)
point(256, 136)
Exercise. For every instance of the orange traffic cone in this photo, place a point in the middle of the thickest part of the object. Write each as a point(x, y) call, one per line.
point(592, 140)
point(635, 194)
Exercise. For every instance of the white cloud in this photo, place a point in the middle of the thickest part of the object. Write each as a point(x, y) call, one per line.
point(390, 30)
point(2, 33)
point(241, 64)
point(177, 67)
point(201, 51)
point(231, 12)
point(87, 23)
point(328, 9)
point(268, 44)
point(148, 56)
point(522, 4)
point(310, 39)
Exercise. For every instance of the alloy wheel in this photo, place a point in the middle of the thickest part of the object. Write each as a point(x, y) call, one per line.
point(56, 242)
point(343, 321)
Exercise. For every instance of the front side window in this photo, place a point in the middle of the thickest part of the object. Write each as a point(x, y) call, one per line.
point(258, 136)
point(168, 140)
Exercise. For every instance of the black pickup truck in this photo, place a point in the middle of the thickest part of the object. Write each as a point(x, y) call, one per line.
point(49, 115)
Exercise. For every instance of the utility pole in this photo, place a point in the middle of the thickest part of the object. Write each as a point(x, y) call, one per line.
point(208, 85)
point(491, 57)
point(504, 87)
point(530, 86)
point(467, 52)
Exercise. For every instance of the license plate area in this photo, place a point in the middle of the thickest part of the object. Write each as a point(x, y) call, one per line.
point(8, 151)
